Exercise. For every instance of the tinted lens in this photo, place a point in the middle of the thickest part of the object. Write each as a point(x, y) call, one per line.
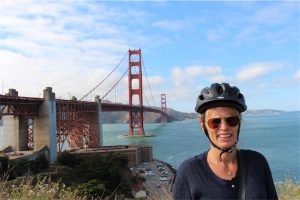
point(214, 123)
point(233, 121)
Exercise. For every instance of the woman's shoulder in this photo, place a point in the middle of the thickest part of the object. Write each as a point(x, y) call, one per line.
point(192, 162)
point(252, 155)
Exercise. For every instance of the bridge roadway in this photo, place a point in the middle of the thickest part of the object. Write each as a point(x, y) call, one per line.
point(28, 106)
point(31, 123)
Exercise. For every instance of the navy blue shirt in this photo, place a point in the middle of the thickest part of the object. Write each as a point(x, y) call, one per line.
point(195, 180)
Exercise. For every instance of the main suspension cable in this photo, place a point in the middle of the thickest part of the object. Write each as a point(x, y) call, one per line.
point(148, 81)
point(105, 77)
point(115, 84)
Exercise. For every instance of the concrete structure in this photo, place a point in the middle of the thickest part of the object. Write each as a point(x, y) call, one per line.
point(14, 129)
point(135, 154)
point(28, 155)
point(98, 101)
point(44, 126)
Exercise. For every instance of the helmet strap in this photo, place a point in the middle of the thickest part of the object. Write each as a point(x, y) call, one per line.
point(223, 150)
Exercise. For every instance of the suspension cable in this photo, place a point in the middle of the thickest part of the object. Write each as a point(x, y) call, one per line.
point(105, 77)
point(148, 82)
point(115, 84)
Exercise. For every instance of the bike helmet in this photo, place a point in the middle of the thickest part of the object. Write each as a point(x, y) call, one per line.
point(222, 95)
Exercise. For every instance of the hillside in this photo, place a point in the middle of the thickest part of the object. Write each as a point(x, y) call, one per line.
point(122, 117)
point(264, 112)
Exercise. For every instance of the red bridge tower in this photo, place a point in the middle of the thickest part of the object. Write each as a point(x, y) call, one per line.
point(136, 120)
point(163, 100)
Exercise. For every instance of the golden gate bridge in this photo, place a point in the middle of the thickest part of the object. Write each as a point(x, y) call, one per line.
point(29, 122)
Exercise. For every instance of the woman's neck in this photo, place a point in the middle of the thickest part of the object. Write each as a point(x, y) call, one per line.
point(214, 155)
point(225, 168)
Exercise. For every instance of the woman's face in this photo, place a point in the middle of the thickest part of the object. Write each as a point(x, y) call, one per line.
point(223, 135)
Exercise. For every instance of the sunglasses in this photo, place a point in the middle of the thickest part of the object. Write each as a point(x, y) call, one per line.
point(215, 123)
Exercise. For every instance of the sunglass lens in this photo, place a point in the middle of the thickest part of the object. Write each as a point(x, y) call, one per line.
point(233, 121)
point(214, 123)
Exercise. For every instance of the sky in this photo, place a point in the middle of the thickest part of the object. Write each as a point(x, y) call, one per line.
point(71, 46)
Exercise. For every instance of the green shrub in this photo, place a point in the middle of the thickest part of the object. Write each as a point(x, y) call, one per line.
point(39, 164)
point(107, 169)
point(3, 165)
point(92, 189)
point(68, 159)
point(99, 178)
point(21, 167)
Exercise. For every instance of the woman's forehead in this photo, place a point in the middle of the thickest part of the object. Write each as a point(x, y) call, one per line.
point(222, 111)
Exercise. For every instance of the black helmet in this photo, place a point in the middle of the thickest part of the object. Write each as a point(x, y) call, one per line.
point(222, 95)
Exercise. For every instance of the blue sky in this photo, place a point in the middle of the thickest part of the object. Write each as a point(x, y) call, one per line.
point(72, 45)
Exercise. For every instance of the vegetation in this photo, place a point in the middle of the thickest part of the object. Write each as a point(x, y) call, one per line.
point(288, 190)
point(42, 188)
point(11, 169)
point(89, 177)
point(67, 159)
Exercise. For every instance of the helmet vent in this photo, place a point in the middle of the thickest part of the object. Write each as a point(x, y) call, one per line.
point(220, 90)
point(205, 91)
point(234, 91)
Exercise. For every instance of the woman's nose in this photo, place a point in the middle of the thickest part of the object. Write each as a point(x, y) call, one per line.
point(224, 124)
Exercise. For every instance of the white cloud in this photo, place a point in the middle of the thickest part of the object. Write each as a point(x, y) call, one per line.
point(216, 33)
point(297, 75)
point(219, 79)
point(36, 74)
point(256, 70)
point(154, 81)
point(270, 22)
point(191, 75)
point(177, 76)
point(175, 25)
point(193, 71)
point(55, 44)
point(182, 92)
point(168, 25)
point(212, 71)
point(274, 14)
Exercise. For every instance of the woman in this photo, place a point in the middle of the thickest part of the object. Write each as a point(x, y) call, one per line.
point(223, 172)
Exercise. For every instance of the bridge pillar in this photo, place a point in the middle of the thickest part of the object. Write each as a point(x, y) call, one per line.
point(15, 129)
point(136, 119)
point(15, 132)
point(44, 126)
point(100, 115)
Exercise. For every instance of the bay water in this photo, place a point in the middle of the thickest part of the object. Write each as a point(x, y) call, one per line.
point(277, 137)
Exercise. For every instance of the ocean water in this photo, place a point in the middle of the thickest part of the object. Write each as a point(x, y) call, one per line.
point(276, 137)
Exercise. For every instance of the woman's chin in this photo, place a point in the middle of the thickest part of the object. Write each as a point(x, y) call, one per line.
point(227, 144)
